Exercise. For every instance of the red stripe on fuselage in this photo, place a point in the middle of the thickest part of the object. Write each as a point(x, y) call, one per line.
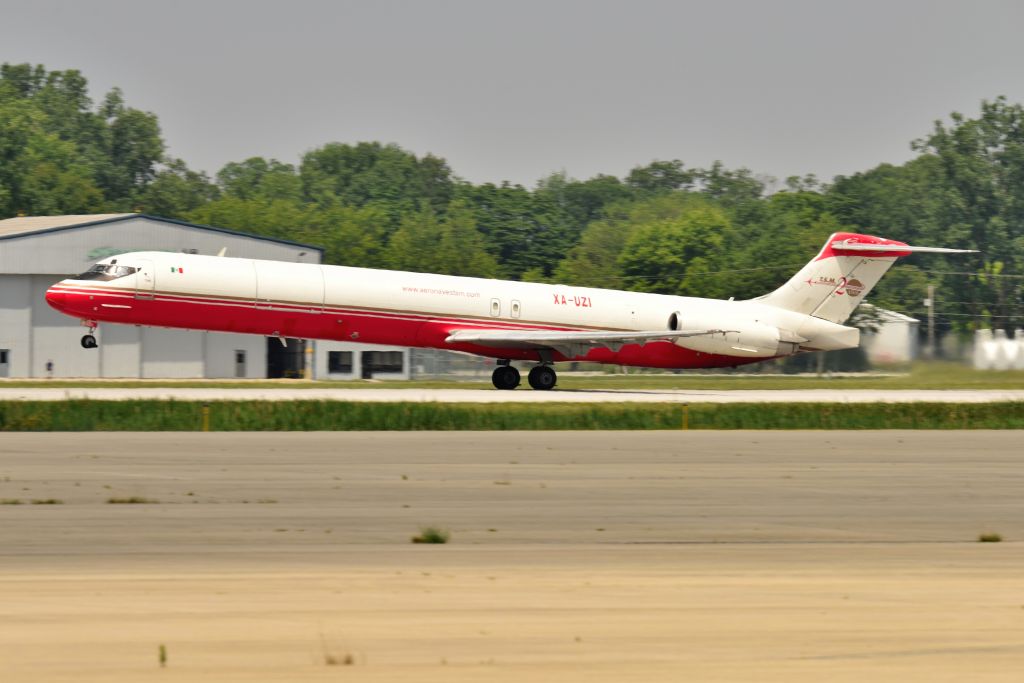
point(393, 328)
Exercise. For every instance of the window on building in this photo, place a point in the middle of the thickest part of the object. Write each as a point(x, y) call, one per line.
point(339, 362)
point(385, 361)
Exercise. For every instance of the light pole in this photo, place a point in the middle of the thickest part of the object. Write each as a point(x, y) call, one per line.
point(930, 304)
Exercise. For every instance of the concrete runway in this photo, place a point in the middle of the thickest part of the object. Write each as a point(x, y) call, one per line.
point(523, 395)
point(575, 556)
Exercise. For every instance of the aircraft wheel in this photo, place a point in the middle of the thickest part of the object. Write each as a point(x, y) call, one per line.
point(505, 377)
point(542, 377)
point(89, 342)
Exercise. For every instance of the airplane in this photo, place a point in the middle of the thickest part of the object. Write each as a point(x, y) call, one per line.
point(540, 324)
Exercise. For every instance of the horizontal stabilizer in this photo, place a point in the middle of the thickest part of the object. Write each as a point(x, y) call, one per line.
point(846, 245)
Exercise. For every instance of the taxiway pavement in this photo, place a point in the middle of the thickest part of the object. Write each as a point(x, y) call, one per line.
point(575, 556)
point(520, 395)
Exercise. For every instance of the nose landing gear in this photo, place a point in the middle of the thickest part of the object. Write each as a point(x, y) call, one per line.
point(89, 340)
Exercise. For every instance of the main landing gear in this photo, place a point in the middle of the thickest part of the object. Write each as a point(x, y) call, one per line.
point(506, 377)
point(542, 377)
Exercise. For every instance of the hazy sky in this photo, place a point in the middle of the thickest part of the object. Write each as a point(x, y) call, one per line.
point(517, 89)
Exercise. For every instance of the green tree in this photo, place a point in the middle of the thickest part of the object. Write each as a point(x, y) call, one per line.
point(661, 176)
point(278, 218)
point(57, 152)
point(792, 228)
point(451, 245)
point(257, 177)
point(736, 190)
point(39, 172)
point(677, 255)
point(372, 173)
point(982, 163)
point(583, 201)
point(52, 182)
point(595, 260)
point(176, 191)
point(523, 230)
point(350, 236)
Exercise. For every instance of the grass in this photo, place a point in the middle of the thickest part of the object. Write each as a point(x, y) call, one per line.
point(47, 501)
point(154, 415)
point(921, 375)
point(431, 534)
point(131, 500)
point(10, 501)
point(989, 538)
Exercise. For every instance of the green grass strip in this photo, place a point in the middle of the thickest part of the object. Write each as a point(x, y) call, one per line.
point(158, 415)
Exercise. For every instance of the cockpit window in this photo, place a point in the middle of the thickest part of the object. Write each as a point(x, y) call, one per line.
point(105, 273)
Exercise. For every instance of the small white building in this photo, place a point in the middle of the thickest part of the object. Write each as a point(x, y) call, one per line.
point(894, 341)
point(996, 350)
point(349, 360)
point(37, 341)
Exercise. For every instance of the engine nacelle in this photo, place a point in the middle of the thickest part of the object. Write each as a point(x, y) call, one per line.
point(747, 339)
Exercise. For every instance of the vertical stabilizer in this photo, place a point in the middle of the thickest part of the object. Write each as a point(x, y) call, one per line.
point(841, 275)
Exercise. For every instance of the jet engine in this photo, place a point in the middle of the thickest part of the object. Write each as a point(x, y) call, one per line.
point(748, 339)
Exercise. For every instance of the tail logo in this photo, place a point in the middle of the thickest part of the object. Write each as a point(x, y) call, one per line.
point(850, 287)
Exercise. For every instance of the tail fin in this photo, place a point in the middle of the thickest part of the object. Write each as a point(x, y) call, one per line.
point(841, 275)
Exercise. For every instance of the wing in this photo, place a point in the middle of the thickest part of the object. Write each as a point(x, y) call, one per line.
point(569, 344)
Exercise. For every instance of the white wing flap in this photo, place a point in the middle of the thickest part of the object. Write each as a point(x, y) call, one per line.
point(569, 344)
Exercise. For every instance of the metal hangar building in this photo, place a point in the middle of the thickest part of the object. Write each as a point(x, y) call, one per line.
point(37, 341)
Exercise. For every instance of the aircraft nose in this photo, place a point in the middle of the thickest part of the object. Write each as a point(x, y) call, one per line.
point(56, 298)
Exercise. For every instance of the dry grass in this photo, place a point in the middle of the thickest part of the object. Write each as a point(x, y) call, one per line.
point(431, 534)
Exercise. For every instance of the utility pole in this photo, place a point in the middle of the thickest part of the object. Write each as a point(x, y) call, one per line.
point(930, 303)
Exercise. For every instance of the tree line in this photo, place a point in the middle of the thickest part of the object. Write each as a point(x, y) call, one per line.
point(663, 227)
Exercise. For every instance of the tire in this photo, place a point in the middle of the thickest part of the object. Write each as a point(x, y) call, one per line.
point(505, 377)
point(542, 378)
point(89, 342)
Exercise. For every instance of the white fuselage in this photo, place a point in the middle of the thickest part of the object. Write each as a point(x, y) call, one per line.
point(420, 309)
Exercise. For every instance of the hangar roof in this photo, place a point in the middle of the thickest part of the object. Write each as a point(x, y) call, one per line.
point(888, 316)
point(27, 225)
